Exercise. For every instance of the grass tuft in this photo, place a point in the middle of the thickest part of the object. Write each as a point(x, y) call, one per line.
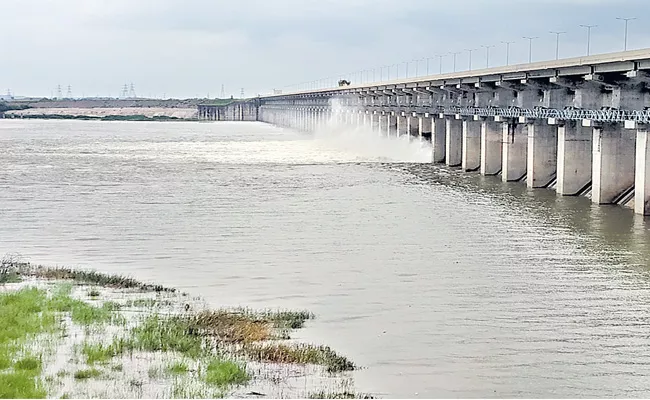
point(29, 364)
point(340, 395)
point(299, 354)
point(98, 353)
point(225, 373)
point(87, 374)
point(21, 384)
point(177, 368)
point(97, 278)
point(164, 334)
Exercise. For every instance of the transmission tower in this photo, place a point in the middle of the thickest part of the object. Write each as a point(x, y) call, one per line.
point(68, 95)
point(125, 91)
point(59, 94)
point(223, 91)
point(132, 91)
point(242, 93)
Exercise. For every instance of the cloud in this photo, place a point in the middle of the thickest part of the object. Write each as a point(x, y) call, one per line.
point(191, 47)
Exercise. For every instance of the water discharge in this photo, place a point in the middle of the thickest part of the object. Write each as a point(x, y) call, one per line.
point(438, 283)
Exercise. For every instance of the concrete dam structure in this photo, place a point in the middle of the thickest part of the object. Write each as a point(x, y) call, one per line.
point(577, 126)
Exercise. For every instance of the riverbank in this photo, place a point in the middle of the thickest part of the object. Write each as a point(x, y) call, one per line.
point(78, 334)
point(107, 114)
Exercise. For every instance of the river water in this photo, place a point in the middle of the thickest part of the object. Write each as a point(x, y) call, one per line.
point(438, 283)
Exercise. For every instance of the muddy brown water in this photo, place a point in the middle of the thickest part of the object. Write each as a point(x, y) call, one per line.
point(436, 282)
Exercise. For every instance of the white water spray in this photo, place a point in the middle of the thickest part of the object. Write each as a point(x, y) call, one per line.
point(368, 144)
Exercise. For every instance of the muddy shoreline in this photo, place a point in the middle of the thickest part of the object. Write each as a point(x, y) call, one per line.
point(84, 334)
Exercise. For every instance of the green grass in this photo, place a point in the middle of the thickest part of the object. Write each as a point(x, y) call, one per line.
point(87, 374)
point(29, 364)
point(177, 368)
point(225, 373)
point(99, 353)
point(165, 334)
point(21, 384)
point(81, 312)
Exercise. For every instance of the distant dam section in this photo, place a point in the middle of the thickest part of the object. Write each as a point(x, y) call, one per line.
point(118, 109)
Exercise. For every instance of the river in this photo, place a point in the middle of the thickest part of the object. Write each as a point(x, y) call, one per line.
point(438, 283)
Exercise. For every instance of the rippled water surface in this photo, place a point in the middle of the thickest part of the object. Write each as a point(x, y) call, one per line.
point(438, 283)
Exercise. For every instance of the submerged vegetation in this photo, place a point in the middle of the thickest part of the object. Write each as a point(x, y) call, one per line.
point(203, 353)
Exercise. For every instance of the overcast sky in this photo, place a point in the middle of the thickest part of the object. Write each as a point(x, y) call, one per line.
point(189, 48)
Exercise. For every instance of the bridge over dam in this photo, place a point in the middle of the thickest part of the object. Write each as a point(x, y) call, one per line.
point(577, 126)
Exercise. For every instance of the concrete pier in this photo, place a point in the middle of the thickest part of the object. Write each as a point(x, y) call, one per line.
point(491, 147)
point(454, 142)
point(414, 127)
point(525, 120)
point(642, 172)
point(402, 126)
point(439, 140)
point(424, 125)
point(515, 150)
point(392, 126)
point(613, 166)
point(574, 154)
point(471, 159)
point(542, 154)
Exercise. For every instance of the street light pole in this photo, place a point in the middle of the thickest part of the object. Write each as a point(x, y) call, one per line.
point(557, 43)
point(530, 47)
point(455, 54)
point(626, 21)
point(507, 51)
point(470, 57)
point(588, 36)
point(487, 55)
point(441, 56)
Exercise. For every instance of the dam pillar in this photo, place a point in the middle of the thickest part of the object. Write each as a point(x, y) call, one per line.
point(439, 139)
point(515, 147)
point(542, 154)
point(392, 125)
point(574, 156)
point(402, 125)
point(471, 160)
point(642, 172)
point(374, 122)
point(424, 127)
point(613, 162)
point(491, 147)
point(413, 127)
point(454, 141)
point(383, 124)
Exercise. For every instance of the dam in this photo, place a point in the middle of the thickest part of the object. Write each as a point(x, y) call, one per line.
point(577, 126)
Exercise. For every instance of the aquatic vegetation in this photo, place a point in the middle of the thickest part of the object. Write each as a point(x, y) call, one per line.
point(87, 373)
point(339, 395)
point(225, 373)
point(300, 354)
point(159, 333)
point(95, 278)
point(204, 354)
point(177, 368)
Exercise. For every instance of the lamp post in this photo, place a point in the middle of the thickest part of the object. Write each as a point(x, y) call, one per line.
point(530, 47)
point(470, 51)
point(455, 54)
point(626, 21)
point(507, 51)
point(441, 56)
point(487, 55)
point(557, 43)
point(589, 27)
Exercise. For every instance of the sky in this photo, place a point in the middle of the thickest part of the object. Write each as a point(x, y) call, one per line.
point(190, 48)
